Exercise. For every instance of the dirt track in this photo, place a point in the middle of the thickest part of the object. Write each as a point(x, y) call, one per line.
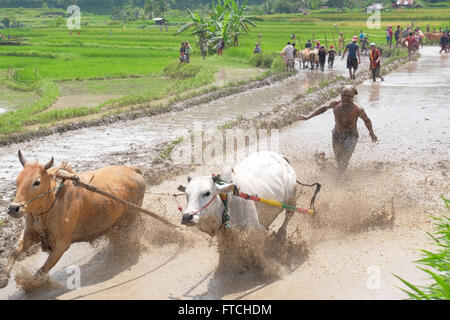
point(376, 215)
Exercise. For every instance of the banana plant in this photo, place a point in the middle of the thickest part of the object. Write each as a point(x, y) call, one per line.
point(202, 27)
point(226, 19)
point(240, 21)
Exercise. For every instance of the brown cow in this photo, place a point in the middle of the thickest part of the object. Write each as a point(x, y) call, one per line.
point(434, 36)
point(314, 58)
point(72, 214)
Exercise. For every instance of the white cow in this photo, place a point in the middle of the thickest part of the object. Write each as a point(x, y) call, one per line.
point(265, 174)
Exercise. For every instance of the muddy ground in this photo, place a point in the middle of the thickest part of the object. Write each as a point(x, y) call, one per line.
point(375, 216)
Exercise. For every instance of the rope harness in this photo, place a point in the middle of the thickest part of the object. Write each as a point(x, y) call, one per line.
point(57, 189)
point(224, 197)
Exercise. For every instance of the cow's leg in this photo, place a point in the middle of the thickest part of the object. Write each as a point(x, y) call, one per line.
point(26, 240)
point(281, 234)
point(53, 258)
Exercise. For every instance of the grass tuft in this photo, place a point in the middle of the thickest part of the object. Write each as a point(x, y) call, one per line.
point(438, 264)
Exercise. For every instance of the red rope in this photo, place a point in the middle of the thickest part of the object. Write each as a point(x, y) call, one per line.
point(202, 208)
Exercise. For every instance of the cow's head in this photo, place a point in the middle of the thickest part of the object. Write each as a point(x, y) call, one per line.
point(33, 181)
point(199, 192)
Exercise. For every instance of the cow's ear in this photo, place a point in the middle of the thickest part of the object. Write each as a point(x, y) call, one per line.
point(225, 188)
point(181, 188)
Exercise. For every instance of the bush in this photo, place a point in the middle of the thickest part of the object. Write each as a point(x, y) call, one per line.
point(261, 60)
point(181, 71)
point(256, 60)
point(278, 64)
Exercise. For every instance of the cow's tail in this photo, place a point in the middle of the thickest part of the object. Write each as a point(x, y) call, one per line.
point(313, 199)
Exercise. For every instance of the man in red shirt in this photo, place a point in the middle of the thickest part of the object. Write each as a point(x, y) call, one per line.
point(391, 35)
point(411, 44)
point(375, 62)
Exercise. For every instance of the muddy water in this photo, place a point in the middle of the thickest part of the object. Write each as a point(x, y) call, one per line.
point(410, 113)
point(90, 148)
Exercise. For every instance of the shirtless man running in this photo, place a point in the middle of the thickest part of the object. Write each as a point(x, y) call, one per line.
point(345, 132)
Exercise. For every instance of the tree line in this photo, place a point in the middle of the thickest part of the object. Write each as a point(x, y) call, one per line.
point(106, 4)
point(264, 6)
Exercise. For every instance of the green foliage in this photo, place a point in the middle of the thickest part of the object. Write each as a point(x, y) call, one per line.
point(225, 20)
point(438, 264)
point(261, 60)
point(6, 22)
point(278, 64)
point(59, 22)
point(14, 121)
point(181, 71)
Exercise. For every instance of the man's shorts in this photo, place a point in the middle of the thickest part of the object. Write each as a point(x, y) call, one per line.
point(352, 63)
point(344, 144)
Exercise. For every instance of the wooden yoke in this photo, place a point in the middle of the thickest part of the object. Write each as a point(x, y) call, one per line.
point(65, 175)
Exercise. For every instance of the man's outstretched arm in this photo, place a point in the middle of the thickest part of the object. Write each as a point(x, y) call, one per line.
point(368, 123)
point(319, 111)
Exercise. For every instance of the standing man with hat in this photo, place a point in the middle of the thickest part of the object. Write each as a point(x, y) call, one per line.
point(354, 58)
point(375, 62)
point(288, 55)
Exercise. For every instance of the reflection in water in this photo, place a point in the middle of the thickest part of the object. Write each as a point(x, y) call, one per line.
point(411, 67)
point(374, 92)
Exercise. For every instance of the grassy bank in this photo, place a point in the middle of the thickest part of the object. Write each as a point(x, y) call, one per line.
point(15, 121)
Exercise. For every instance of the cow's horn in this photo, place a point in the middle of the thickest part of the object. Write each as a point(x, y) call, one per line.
point(49, 164)
point(22, 159)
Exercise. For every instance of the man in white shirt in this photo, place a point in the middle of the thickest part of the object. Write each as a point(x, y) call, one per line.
point(288, 56)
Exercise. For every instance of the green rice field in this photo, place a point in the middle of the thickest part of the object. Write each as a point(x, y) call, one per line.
point(51, 56)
